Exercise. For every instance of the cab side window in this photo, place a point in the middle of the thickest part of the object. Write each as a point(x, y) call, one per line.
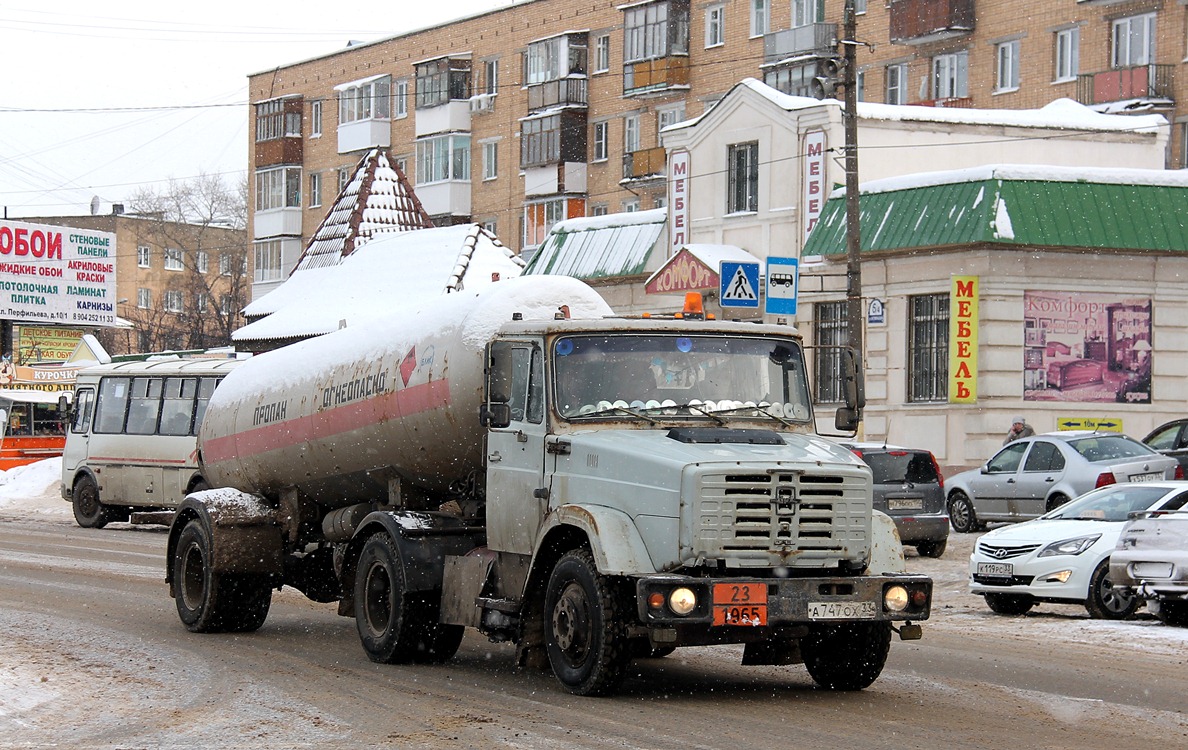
point(84, 403)
point(527, 392)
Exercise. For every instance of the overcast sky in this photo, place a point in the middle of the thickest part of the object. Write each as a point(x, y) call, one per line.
point(99, 99)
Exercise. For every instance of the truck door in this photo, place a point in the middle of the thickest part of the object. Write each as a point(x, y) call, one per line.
point(516, 496)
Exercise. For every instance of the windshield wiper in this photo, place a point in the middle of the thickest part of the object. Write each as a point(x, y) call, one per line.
point(760, 410)
point(626, 410)
point(690, 407)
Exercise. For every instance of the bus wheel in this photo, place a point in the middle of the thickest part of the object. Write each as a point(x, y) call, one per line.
point(88, 511)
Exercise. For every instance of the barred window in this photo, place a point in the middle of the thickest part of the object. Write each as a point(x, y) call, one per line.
point(742, 166)
point(928, 347)
point(830, 335)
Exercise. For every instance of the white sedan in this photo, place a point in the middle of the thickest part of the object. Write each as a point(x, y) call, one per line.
point(1064, 555)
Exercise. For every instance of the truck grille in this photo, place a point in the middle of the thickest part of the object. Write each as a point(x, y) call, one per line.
point(782, 518)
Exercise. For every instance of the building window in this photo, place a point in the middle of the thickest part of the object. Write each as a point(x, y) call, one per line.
point(655, 30)
point(631, 205)
point(315, 118)
point(928, 347)
point(201, 300)
point(225, 264)
point(599, 209)
point(400, 103)
point(950, 75)
point(365, 100)
point(1007, 55)
point(344, 178)
point(715, 26)
point(859, 6)
point(860, 85)
point(742, 167)
point(268, 261)
point(491, 226)
point(201, 261)
point(670, 116)
point(539, 219)
point(442, 81)
point(144, 298)
point(275, 118)
point(795, 80)
point(760, 17)
point(600, 145)
point(490, 160)
point(278, 188)
point(491, 77)
point(173, 301)
point(1184, 145)
point(443, 157)
point(895, 84)
point(1068, 45)
point(602, 54)
point(830, 336)
point(144, 256)
point(805, 12)
point(630, 134)
point(173, 259)
point(315, 190)
point(1133, 41)
point(556, 58)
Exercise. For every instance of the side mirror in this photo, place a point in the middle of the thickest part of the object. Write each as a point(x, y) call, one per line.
point(499, 373)
point(63, 404)
point(846, 419)
point(853, 390)
point(495, 415)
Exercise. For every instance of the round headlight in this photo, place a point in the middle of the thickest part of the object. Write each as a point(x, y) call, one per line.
point(895, 598)
point(682, 601)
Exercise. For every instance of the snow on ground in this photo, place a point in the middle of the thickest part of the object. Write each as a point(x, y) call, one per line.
point(33, 490)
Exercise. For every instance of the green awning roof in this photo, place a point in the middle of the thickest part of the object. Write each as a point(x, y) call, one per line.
point(600, 247)
point(999, 209)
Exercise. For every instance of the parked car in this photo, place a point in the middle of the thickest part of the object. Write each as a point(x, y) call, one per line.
point(1064, 556)
point(909, 487)
point(1151, 559)
point(1171, 439)
point(1031, 476)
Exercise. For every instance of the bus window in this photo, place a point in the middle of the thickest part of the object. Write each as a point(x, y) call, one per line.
point(113, 402)
point(205, 388)
point(83, 402)
point(177, 411)
point(144, 406)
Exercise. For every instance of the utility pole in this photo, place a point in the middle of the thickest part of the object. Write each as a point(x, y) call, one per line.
point(854, 313)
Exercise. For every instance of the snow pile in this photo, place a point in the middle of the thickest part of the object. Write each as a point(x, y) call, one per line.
point(34, 489)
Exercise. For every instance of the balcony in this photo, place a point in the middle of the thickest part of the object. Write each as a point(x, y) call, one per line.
point(649, 162)
point(278, 151)
point(563, 92)
point(923, 21)
point(813, 40)
point(950, 102)
point(1141, 82)
point(364, 134)
point(655, 76)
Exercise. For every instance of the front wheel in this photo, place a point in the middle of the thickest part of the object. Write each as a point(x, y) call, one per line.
point(1106, 602)
point(585, 632)
point(846, 656)
point(395, 626)
point(1170, 613)
point(1009, 604)
point(88, 511)
point(961, 513)
point(210, 602)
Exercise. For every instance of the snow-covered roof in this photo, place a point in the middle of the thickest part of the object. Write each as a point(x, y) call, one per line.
point(1044, 173)
point(1061, 113)
point(596, 247)
point(713, 255)
point(396, 268)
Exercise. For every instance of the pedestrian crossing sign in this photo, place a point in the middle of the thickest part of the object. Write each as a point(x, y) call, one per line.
point(739, 284)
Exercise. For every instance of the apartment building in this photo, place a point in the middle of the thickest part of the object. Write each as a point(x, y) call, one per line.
point(551, 109)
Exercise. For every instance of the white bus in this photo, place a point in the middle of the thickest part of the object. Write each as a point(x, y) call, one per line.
point(131, 443)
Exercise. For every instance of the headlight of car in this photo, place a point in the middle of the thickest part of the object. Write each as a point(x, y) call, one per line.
point(1069, 546)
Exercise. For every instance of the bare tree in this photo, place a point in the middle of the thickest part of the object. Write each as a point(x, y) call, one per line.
point(200, 225)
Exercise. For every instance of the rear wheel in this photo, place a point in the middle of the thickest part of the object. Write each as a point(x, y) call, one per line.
point(1009, 604)
point(846, 656)
point(88, 511)
point(1106, 602)
point(209, 602)
point(585, 631)
point(932, 548)
point(961, 513)
point(1054, 502)
point(1170, 613)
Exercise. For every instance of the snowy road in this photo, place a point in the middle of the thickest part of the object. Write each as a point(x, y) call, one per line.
point(93, 656)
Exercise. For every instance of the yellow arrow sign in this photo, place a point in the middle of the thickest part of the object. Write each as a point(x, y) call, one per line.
point(1097, 424)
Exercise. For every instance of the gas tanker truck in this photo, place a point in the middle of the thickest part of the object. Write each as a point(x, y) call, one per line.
point(517, 460)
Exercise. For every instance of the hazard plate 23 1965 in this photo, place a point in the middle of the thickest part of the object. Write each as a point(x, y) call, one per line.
point(842, 610)
point(743, 604)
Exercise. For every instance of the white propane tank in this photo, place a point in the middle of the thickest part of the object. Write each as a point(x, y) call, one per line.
point(340, 416)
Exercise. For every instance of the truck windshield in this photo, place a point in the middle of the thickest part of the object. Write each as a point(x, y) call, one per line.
point(705, 377)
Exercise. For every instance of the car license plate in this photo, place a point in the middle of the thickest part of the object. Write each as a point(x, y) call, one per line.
point(742, 604)
point(842, 610)
point(904, 503)
point(1153, 476)
point(1002, 570)
point(1152, 570)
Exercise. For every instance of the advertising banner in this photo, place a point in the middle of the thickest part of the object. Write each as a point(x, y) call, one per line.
point(963, 340)
point(61, 275)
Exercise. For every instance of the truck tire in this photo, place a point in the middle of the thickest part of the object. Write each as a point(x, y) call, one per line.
point(846, 656)
point(1106, 602)
point(932, 548)
point(89, 513)
point(585, 632)
point(396, 627)
point(961, 513)
point(1169, 612)
point(209, 602)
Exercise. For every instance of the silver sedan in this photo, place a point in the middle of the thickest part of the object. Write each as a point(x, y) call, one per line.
point(1031, 476)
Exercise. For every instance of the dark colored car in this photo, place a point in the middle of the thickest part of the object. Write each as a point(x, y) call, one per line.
point(1171, 439)
point(909, 487)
